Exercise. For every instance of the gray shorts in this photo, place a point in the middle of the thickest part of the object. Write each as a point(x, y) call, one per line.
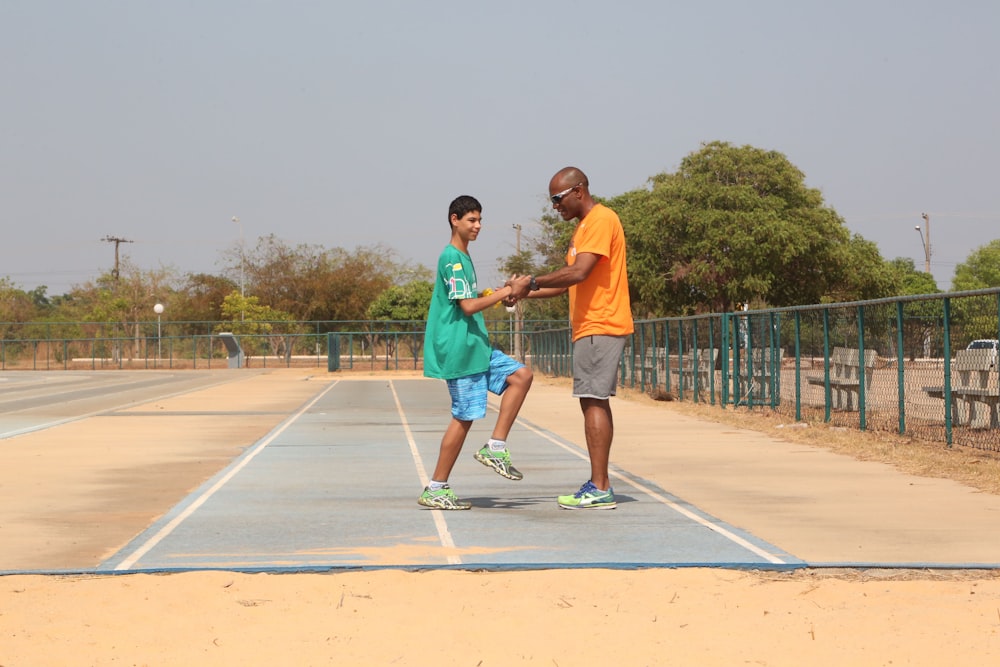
point(595, 366)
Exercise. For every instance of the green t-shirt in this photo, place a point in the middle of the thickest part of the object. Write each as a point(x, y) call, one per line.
point(455, 344)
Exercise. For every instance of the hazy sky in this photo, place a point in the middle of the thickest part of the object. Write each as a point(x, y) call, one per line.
point(347, 124)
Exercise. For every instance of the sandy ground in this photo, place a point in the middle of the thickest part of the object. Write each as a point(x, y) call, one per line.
point(548, 617)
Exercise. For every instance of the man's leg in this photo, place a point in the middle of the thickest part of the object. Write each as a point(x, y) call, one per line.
point(599, 430)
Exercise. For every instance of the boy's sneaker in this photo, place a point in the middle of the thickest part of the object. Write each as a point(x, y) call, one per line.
point(443, 499)
point(589, 497)
point(499, 461)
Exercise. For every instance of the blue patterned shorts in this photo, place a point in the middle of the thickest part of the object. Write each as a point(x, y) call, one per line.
point(468, 394)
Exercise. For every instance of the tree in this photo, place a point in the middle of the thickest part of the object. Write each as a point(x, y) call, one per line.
point(735, 225)
point(981, 269)
point(403, 302)
point(546, 254)
point(402, 305)
point(921, 319)
point(977, 317)
point(121, 308)
point(16, 305)
point(317, 284)
point(200, 298)
point(259, 323)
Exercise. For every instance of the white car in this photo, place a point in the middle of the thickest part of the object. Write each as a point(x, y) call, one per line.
point(986, 344)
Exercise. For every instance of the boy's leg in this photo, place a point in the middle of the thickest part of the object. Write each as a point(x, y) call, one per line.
point(438, 494)
point(511, 380)
point(518, 384)
point(451, 447)
point(468, 403)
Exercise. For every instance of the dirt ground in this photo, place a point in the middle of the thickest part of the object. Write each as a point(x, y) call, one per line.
point(686, 616)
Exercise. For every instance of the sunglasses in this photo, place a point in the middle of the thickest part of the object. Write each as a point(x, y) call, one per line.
point(556, 198)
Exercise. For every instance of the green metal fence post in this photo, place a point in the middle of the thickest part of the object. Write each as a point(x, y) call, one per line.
point(827, 396)
point(332, 352)
point(862, 393)
point(750, 382)
point(642, 359)
point(695, 388)
point(666, 355)
point(724, 353)
point(900, 371)
point(947, 371)
point(736, 333)
point(798, 367)
point(774, 343)
point(680, 362)
point(711, 376)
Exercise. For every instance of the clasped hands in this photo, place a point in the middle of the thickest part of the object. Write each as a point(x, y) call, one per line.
point(519, 288)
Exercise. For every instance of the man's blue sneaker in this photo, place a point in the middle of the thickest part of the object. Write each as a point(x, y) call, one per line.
point(589, 497)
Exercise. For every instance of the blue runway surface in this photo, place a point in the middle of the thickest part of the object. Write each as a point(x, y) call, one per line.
point(335, 486)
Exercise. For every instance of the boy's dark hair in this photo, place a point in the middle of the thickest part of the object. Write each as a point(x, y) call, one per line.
point(462, 205)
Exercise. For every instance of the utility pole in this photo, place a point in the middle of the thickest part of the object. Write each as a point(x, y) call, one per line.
point(927, 248)
point(117, 240)
point(925, 239)
point(518, 309)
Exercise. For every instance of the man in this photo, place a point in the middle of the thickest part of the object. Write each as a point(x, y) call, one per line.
point(601, 315)
point(457, 349)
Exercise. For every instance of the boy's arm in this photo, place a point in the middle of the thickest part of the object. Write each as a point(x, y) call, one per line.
point(481, 303)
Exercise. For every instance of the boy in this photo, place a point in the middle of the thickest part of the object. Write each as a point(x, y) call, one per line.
point(457, 349)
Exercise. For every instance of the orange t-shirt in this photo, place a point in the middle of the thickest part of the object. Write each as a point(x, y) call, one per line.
point(600, 305)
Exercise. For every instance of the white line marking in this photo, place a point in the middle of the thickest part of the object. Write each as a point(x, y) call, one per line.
point(442, 527)
point(7, 435)
point(666, 501)
point(203, 498)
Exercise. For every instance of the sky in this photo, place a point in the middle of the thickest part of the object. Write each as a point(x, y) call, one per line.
point(353, 124)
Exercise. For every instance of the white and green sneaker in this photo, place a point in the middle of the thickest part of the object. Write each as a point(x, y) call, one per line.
point(499, 461)
point(443, 499)
point(589, 497)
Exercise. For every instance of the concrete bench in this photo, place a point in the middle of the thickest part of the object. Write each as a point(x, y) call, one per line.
point(759, 371)
point(846, 372)
point(975, 393)
point(656, 357)
point(696, 364)
point(233, 349)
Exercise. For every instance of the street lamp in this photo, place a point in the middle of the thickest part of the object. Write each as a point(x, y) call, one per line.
point(158, 309)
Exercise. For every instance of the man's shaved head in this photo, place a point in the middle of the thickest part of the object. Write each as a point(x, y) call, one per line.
point(568, 177)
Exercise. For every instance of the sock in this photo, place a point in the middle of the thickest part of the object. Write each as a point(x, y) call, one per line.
point(496, 445)
point(436, 486)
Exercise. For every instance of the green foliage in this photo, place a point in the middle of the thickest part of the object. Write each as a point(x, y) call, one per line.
point(403, 302)
point(246, 315)
point(980, 270)
point(16, 305)
point(737, 225)
point(318, 284)
point(910, 281)
point(546, 254)
point(199, 298)
point(976, 317)
point(259, 326)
